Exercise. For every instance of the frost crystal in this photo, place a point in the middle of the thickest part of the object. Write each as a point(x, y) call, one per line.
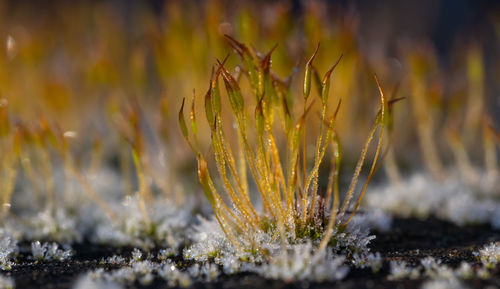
point(170, 273)
point(489, 255)
point(399, 270)
point(207, 271)
point(433, 269)
point(440, 275)
point(166, 228)
point(299, 263)
point(164, 254)
point(58, 226)
point(451, 199)
point(8, 249)
point(370, 260)
point(114, 260)
point(267, 256)
point(143, 272)
point(136, 254)
point(48, 252)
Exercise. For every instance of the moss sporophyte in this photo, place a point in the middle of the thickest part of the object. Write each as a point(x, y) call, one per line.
point(271, 151)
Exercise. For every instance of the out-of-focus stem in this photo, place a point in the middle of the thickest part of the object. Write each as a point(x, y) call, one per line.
point(475, 97)
point(490, 153)
point(27, 167)
point(391, 167)
point(425, 127)
point(47, 175)
point(90, 192)
point(460, 153)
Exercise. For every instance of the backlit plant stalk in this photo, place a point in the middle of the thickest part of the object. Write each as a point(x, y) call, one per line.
point(128, 125)
point(289, 205)
point(424, 120)
point(28, 151)
point(490, 153)
point(461, 156)
point(61, 147)
point(475, 94)
point(9, 145)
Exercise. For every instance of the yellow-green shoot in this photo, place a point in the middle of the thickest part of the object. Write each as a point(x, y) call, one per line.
point(270, 144)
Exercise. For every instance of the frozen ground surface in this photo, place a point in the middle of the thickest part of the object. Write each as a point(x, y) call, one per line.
point(415, 254)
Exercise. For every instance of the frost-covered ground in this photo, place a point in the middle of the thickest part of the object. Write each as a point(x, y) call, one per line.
point(453, 198)
point(75, 218)
point(434, 273)
point(454, 267)
point(177, 231)
point(181, 247)
point(297, 261)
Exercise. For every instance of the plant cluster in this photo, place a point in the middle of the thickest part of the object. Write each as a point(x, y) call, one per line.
point(272, 150)
point(278, 210)
point(59, 197)
point(463, 187)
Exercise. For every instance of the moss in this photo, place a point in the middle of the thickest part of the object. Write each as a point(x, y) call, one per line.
point(212, 254)
point(311, 230)
point(276, 179)
point(267, 225)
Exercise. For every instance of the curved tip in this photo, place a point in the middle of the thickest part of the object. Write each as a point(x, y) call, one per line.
point(309, 62)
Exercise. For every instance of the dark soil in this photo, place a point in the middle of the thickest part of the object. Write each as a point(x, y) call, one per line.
point(409, 240)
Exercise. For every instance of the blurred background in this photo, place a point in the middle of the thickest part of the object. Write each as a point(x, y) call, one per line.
point(90, 93)
point(81, 64)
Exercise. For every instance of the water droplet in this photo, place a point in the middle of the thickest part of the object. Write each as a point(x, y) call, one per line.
point(11, 47)
point(70, 134)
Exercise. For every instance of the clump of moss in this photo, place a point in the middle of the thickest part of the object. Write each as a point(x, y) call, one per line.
point(271, 151)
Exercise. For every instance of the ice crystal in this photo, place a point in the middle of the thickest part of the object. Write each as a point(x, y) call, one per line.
point(441, 275)
point(293, 262)
point(299, 263)
point(208, 241)
point(399, 270)
point(369, 260)
point(451, 199)
point(58, 226)
point(136, 254)
point(354, 239)
point(173, 276)
point(49, 251)
point(206, 271)
point(73, 218)
point(8, 250)
point(166, 227)
point(145, 272)
point(434, 269)
point(114, 260)
point(164, 254)
point(489, 255)
point(76, 217)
